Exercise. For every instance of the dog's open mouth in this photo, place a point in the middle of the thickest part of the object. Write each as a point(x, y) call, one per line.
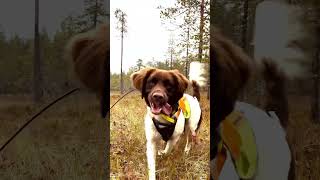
point(158, 108)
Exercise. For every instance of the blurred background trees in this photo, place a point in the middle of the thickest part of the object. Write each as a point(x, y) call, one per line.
point(17, 53)
point(237, 21)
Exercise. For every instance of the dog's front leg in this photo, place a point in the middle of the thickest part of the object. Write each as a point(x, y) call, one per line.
point(169, 146)
point(151, 158)
point(188, 144)
point(175, 136)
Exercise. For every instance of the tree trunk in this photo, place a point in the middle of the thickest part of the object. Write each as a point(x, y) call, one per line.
point(315, 109)
point(208, 85)
point(171, 59)
point(95, 18)
point(316, 82)
point(188, 38)
point(187, 59)
point(201, 30)
point(37, 91)
point(244, 39)
point(121, 77)
point(245, 25)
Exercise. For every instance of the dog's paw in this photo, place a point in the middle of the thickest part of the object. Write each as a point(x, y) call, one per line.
point(162, 153)
point(187, 149)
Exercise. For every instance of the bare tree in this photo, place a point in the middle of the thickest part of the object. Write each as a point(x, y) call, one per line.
point(316, 70)
point(37, 90)
point(94, 13)
point(121, 16)
point(201, 30)
point(244, 36)
point(244, 26)
point(171, 50)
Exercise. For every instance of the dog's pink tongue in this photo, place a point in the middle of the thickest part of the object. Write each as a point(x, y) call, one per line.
point(167, 109)
point(155, 109)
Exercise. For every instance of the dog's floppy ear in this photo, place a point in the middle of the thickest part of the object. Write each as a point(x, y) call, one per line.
point(183, 82)
point(77, 45)
point(90, 55)
point(89, 52)
point(231, 69)
point(140, 77)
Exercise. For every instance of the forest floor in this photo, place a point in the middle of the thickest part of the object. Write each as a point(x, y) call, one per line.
point(65, 142)
point(304, 137)
point(68, 141)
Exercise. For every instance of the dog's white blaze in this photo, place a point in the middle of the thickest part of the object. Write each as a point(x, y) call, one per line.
point(197, 73)
point(285, 28)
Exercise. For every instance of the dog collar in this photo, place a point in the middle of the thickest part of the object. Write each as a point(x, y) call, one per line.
point(183, 106)
point(165, 129)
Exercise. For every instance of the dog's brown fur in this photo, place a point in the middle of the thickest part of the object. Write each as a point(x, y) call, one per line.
point(89, 53)
point(231, 69)
point(276, 91)
point(163, 79)
point(196, 89)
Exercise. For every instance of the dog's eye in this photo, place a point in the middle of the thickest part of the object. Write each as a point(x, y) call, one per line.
point(168, 84)
point(152, 81)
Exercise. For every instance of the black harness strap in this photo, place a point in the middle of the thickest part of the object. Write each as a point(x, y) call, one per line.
point(165, 129)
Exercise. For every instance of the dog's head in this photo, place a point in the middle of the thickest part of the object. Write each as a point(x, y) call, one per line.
point(161, 89)
point(90, 55)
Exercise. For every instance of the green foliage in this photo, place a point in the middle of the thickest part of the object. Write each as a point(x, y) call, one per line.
point(139, 64)
point(122, 20)
point(188, 11)
point(16, 68)
point(227, 15)
point(184, 18)
point(94, 13)
point(115, 81)
point(16, 60)
point(71, 25)
point(16, 65)
point(115, 78)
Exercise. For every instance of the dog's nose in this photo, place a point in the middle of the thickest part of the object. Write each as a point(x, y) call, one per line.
point(158, 96)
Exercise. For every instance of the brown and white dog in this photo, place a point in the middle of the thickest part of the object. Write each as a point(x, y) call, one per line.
point(162, 90)
point(90, 54)
point(231, 70)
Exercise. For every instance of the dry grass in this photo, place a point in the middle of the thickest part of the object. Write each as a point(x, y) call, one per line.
point(304, 136)
point(68, 140)
point(65, 142)
point(128, 145)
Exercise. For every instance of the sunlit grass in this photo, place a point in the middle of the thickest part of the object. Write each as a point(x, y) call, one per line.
point(65, 142)
point(68, 141)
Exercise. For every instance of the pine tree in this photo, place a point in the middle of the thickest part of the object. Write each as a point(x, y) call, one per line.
point(139, 64)
point(122, 26)
point(94, 13)
point(37, 89)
